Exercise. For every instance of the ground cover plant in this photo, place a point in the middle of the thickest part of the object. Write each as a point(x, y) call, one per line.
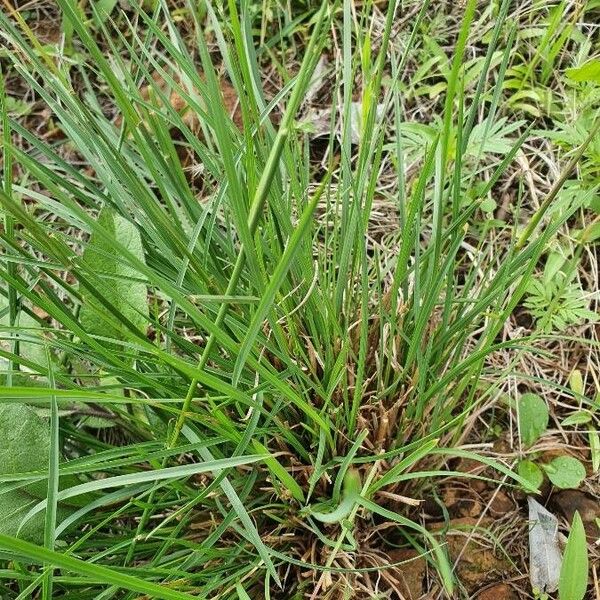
point(299, 299)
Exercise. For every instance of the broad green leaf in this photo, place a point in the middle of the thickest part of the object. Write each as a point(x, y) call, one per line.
point(574, 571)
point(589, 71)
point(15, 504)
point(488, 205)
point(114, 279)
point(565, 472)
point(25, 444)
point(94, 422)
point(533, 418)
point(528, 470)
point(554, 263)
point(24, 447)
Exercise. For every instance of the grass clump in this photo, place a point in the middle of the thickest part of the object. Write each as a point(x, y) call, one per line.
point(253, 348)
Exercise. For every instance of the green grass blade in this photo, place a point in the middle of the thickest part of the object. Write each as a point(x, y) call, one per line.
point(90, 570)
point(573, 580)
point(53, 480)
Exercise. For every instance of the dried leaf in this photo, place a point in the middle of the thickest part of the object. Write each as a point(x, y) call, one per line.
point(544, 552)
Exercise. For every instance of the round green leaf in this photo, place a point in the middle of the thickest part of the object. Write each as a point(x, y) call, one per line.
point(488, 205)
point(533, 418)
point(565, 472)
point(531, 472)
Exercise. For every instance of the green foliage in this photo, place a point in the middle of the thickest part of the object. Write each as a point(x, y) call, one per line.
point(528, 470)
point(556, 305)
point(351, 493)
point(578, 418)
point(25, 448)
point(91, 570)
point(576, 382)
point(589, 71)
point(565, 472)
point(25, 444)
point(104, 8)
point(556, 300)
point(574, 570)
point(570, 134)
point(118, 305)
point(243, 321)
point(533, 418)
point(241, 592)
point(17, 107)
point(30, 342)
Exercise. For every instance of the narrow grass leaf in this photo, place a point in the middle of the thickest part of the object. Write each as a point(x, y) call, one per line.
point(88, 569)
point(277, 279)
point(573, 581)
point(53, 481)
